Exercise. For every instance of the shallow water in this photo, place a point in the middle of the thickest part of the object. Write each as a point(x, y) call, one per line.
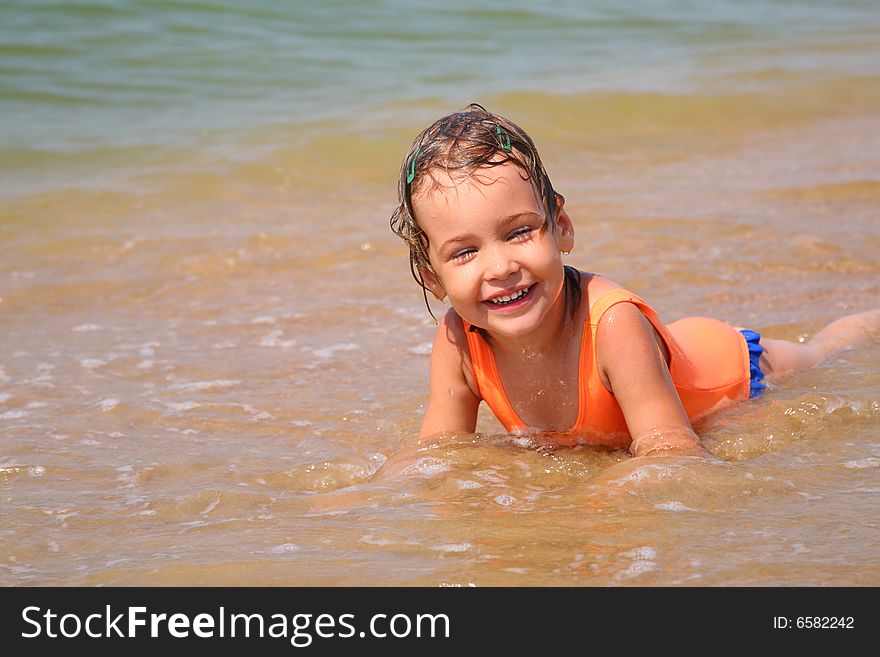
point(211, 341)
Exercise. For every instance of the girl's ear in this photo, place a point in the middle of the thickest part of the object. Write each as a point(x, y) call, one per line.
point(564, 226)
point(433, 283)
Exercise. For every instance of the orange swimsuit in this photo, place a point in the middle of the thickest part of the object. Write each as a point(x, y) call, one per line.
point(708, 362)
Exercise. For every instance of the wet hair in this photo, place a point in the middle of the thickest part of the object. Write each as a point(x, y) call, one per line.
point(460, 144)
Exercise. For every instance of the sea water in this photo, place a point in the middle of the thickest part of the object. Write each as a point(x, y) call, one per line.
point(211, 340)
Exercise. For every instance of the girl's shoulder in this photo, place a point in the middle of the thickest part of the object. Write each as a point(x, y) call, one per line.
point(452, 326)
point(593, 287)
point(451, 347)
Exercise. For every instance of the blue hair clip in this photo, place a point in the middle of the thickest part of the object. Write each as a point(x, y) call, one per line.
point(503, 138)
point(412, 166)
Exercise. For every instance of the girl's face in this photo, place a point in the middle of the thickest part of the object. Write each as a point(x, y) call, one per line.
point(491, 255)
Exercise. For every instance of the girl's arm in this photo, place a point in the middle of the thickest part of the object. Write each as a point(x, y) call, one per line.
point(638, 376)
point(452, 404)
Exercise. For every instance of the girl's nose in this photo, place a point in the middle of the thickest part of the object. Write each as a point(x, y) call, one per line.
point(502, 264)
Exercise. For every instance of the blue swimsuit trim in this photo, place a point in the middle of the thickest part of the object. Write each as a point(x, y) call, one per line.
point(756, 382)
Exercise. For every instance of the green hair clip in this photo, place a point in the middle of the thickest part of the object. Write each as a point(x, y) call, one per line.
point(503, 138)
point(412, 166)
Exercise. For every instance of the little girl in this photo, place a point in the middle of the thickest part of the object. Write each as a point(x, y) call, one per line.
point(566, 356)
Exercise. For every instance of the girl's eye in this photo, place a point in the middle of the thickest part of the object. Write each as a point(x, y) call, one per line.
point(463, 255)
point(522, 232)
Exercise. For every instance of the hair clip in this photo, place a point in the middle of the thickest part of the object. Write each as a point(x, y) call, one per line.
point(412, 166)
point(503, 138)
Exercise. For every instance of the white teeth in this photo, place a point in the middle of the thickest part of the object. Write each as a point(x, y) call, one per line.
point(508, 298)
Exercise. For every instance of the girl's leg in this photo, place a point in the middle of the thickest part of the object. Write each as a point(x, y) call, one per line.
point(850, 332)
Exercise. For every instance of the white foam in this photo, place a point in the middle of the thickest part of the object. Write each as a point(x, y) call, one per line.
point(456, 585)
point(505, 500)
point(263, 319)
point(861, 464)
point(467, 484)
point(37, 404)
point(13, 415)
point(108, 404)
point(286, 547)
point(206, 385)
point(635, 569)
point(490, 475)
point(328, 352)
point(644, 560)
point(181, 406)
point(273, 339)
point(145, 365)
point(372, 540)
point(423, 349)
point(524, 441)
point(427, 465)
point(87, 327)
point(92, 363)
point(671, 506)
point(213, 505)
point(646, 472)
point(645, 552)
point(453, 547)
point(256, 412)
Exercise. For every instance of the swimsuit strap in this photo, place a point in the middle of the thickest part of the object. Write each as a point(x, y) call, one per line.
point(489, 381)
point(620, 295)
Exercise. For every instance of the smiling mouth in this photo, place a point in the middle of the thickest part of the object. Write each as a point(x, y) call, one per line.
point(511, 298)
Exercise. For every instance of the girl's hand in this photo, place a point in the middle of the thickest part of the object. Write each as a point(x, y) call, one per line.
point(668, 441)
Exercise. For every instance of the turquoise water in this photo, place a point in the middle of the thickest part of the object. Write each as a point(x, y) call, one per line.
point(106, 84)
